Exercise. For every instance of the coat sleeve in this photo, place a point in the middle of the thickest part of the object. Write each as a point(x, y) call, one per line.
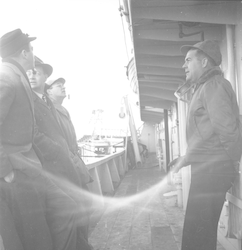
point(7, 93)
point(221, 105)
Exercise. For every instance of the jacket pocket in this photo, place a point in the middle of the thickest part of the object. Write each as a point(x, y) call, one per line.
point(196, 130)
point(203, 127)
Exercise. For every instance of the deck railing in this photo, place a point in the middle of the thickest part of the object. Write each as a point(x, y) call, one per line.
point(107, 172)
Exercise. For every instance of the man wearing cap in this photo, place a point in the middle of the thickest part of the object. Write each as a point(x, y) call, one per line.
point(214, 144)
point(55, 88)
point(28, 198)
point(49, 139)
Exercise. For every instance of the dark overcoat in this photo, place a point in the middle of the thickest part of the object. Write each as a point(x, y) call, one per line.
point(70, 137)
point(51, 143)
point(22, 220)
point(56, 157)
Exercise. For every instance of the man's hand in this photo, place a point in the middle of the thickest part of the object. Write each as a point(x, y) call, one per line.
point(177, 164)
point(10, 177)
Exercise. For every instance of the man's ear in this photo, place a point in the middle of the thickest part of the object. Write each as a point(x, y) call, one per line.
point(46, 77)
point(24, 53)
point(204, 62)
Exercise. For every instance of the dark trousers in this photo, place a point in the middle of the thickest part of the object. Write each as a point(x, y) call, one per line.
point(41, 213)
point(82, 215)
point(81, 210)
point(9, 235)
point(209, 184)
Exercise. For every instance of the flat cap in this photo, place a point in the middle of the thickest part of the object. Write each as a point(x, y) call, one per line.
point(208, 47)
point(51, 82)
point(13, 41)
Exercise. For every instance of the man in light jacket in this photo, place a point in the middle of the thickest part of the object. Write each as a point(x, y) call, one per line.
point(214, 143)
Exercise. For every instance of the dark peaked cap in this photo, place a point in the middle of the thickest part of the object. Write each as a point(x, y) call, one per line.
point(13, 41)
point(46, 67)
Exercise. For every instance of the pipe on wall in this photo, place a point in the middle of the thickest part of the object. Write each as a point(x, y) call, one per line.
point(230, 54)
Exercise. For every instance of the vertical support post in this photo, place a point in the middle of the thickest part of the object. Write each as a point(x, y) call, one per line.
point(133, 132)
point(95, 187)
point(230, 53)
point(238, 53)
point(126, 144)
point(185, 172)
point(178, 128)
point(238, 42)
point(106, 179)
point(167, 141)
point(113, 171)
point(120, 166)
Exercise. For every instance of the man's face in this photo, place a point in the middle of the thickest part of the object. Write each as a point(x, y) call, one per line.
point(37, 79)
point(30, 57)
point(57, 90)
point(193, 66)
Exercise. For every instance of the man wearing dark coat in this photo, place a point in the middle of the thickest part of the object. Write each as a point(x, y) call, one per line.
point(50, 141)
point(55, 88)
point(33, 210)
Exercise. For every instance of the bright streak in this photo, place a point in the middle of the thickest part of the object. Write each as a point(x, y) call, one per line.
point(113, 203)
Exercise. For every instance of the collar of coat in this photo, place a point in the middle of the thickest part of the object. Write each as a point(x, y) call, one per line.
point(9, 60)
point(208, 75)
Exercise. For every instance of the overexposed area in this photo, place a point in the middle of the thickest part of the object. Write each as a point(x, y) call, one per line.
point(84, 41)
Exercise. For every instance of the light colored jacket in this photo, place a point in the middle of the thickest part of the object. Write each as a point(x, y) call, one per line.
point(213, 132)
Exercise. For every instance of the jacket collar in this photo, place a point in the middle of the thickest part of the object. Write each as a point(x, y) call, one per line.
point(19, 70)
point(9, 60)
point(35, 96)
point(38, 99)
point(208, 75)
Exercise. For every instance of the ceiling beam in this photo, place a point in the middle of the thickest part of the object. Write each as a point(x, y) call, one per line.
point(167, 79)
point(149, 70)
point(161, 50)
point(162, 94)
point(149, 98)
point(160, 47)
point(155, 3)
point(150, 112)
point(162, 43)
point(213, 33)
point(161, 61)
point(203, 11)
point(164, 104)
point(159, 85)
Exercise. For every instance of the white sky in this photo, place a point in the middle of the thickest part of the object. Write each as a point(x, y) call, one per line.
point(83, 40)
